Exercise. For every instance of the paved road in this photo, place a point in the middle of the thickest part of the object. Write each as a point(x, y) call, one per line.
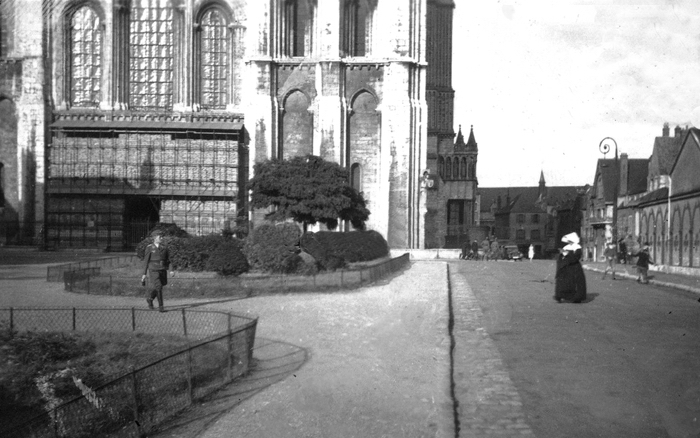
point(625, 363)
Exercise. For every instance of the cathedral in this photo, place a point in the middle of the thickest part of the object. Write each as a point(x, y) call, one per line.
point(118, 114)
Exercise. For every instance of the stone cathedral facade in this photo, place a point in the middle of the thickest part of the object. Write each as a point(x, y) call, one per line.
point(116, 114)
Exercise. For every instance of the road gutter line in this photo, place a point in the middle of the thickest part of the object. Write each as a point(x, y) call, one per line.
point(450, 328)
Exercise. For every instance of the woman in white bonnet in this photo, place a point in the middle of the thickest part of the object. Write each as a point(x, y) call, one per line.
point(570, 281)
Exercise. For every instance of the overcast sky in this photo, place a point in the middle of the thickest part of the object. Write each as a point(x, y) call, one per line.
point(544, 82)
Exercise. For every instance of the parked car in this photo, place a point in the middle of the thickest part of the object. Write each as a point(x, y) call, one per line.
point(513, 253)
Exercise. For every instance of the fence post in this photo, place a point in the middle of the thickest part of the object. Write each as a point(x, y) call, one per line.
point(250, 343)
point(133, 319)
point(229, 343)
point(73, 318)
point(135, 400)
point(184, 322)
point(190, 384)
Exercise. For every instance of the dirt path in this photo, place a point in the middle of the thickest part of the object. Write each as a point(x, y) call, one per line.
point(367, 363)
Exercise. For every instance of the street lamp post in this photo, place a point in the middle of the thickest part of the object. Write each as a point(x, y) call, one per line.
point(604, 147)
point(668, 221)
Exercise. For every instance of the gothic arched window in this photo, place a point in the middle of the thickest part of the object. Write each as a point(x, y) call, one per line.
point(214, 57)
point(441, 167)
point(463, 169)
point(5, 30)
point(151, 48)
point(356, 177)
point(448, 168)
point(356, 28)
point(85, 58)
point(455, 168)
point(297, 18)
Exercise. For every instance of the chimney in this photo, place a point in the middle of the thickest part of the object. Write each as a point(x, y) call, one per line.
point(665, 130)
point(678, 131)
point(624, 173)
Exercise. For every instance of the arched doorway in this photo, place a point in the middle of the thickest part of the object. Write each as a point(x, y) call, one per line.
point(363, 151)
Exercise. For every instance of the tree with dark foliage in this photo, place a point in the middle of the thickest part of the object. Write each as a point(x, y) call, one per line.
point(308, 190)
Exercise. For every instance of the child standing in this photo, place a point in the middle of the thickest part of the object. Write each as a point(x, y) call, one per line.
point(610, 255)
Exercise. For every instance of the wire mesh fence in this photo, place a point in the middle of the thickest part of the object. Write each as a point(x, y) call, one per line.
point(134, 403)
point(90, 281)
point(56, 273)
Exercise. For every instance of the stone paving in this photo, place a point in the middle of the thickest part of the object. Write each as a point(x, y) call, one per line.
point(488, 404)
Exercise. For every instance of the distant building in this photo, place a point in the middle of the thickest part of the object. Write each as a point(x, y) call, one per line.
point(617, 185)
point(673, 182)
point(451, 204)
point(537, 215)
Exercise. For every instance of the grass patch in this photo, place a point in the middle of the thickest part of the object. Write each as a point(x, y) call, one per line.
point(33, 360)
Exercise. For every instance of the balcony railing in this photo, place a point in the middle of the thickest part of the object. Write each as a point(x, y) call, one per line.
point(600, 220)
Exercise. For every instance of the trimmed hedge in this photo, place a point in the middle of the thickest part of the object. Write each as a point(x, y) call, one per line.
point(333, 249)
point(228, 258)
point(202, 253)
point(268, 246)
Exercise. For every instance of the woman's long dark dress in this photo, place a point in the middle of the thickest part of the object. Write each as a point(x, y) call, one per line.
point(570, 284)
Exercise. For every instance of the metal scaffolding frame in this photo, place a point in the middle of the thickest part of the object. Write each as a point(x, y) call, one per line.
point(109, 182)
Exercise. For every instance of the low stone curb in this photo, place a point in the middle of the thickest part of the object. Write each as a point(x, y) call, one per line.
point(626, 275)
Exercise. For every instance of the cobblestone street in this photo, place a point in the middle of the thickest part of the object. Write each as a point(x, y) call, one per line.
point(621, 364)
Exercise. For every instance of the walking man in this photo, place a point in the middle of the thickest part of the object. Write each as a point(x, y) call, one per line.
point(610, 255)
point(157, 263)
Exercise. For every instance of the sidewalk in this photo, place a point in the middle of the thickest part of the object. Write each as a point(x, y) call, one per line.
point(629, 272)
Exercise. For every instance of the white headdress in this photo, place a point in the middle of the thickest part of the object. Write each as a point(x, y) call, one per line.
point(572, 240)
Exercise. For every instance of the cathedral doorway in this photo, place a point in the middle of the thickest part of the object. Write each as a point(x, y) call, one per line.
point(141, 214)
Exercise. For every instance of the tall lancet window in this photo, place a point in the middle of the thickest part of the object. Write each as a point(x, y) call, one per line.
point(215, 60)
point(5, 14)
point(85, 58)
point(296, 31)
point(357, 23)
point(151, 55)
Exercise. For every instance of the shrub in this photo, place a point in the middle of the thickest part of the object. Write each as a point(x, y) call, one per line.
point(192, 253)
point(292, 264)
point(355, 246)
point(228, 259)
point(269, 245)
point(195, 253)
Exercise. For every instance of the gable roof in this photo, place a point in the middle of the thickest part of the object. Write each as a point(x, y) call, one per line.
point(525, 199)
point(607, 169)
point(637, 171)
point(665, 151)
point(695, 134)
